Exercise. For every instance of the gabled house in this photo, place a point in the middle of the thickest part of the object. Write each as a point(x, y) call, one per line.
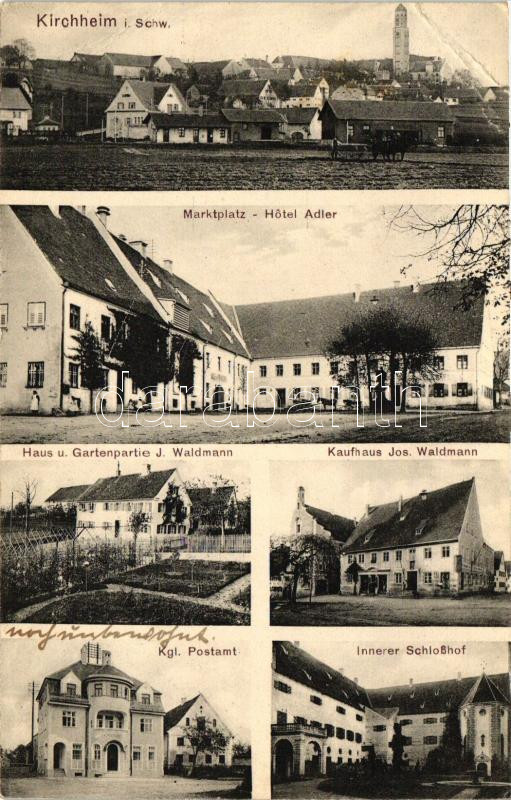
point(248, 94)
point(428, 544)
point(321, 718)
point(309, 63)
point(134, 101)
point(302, 124)
point(86, 62)
point(213, 506)
point(105, 508)
point(196, 712)
point(500, 584)
point(287, 363)
point(496, 94)
point(94, 720)
point(126, 65)
point(15, 110)
point(307, 94)
point(47, 125)
point(168, 66)
point(243, 67)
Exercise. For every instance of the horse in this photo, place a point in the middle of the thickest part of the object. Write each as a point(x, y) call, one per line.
point(388, 146)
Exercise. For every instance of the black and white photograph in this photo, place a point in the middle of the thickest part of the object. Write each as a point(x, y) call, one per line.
point(123, 715)
point(420, 720)
point(295, 324)
point(380, 543)
point(283, 96)
point(92, 540)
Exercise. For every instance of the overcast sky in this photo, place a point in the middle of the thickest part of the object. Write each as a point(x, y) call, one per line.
point(378, 671)
point(468, 35)
point(50, 475)
point(346, 488)
point(258, 259)
point(225, 682)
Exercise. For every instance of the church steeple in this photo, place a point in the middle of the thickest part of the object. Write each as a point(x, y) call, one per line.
point(401, 41)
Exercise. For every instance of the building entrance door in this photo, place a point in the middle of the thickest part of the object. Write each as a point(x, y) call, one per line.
point(411, 580)
point(284, 759)
point(281, 398)
point(382, 584)
point(59, 749)
point(210, 135)
point(265, 131)
point(112, 758)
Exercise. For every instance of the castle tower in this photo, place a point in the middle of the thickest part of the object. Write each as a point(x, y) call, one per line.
point(401, 41)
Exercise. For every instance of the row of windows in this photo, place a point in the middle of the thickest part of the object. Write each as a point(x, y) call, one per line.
point(398, 554)
point(208, 758)
point(182, 132)
point(219, 363)
point(297, 369)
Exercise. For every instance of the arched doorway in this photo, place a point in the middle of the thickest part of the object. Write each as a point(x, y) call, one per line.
point(112, 757)
point(482, 769)
point(218, 398)
point(283, 759)
point(59, 749)
point(313, 759)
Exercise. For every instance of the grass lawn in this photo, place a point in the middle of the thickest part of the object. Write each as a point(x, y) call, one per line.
point(129, 608)
point(192, 578)
point(319, 789)
point(487, 610)
point(127, 788)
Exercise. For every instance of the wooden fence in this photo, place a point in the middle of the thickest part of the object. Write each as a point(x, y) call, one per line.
point(208, 543)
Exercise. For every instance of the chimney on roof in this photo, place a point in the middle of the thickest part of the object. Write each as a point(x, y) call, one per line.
point(122, 237)
point(416, 286)
point(140, 247)
point(400, 503)
point(411, 681)
point(167, 264)
point(103, 212)
point(106, 657)
point(183, 700)
point(459, 676)
point(296, 644)
point(118, 468)
point(355, 680)
point(301, 496)
point(148, 468)
point(368, 509)
point(340, 670)
point(396, 284)
point(356, 293)
point(424, 495)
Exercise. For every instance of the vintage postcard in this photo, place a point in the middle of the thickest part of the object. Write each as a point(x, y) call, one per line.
point(378, 95)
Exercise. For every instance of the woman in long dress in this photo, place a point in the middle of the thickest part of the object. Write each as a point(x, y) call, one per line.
point(34, 403)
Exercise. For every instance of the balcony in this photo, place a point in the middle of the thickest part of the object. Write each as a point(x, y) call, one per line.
point(71, 699)
point(287, 728)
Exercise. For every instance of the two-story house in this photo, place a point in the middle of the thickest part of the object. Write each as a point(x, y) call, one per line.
point(307, 94)
point(134, 101)
point(15, 110)
point(428, 544)
point(108, 507)
point(321, 718)
point(288, 340)
point(247, 93)
point(194, 713)
point(94, 720)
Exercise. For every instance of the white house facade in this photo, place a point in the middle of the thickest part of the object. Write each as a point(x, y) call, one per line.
point(321, 718)
point(134, 101)
point(196, 712)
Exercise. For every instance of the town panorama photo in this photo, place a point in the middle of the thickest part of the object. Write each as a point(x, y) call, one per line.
point(329, 96)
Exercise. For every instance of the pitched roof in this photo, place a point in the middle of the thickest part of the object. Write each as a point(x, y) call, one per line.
point(12, 98)
point(435, 696)
point(80, 256)
point(271, 330)
point(47, 121)
point(129, 59)
point(296, 664)
point(391, 110)
point(150, 93)
point(486, 691)
point(202, 309)
point(303, 89)
point(263, 115)
point(208, 496)
point(299, 116)
point(67, 494)
point(339, 527)
point(177, 713)
point(302, 61)
point(437, 518)
point(167, 121)
point(127, 487)
point(88, 58)
point(242, 87)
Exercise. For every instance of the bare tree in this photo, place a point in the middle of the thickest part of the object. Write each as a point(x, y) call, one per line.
point(471, 245)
